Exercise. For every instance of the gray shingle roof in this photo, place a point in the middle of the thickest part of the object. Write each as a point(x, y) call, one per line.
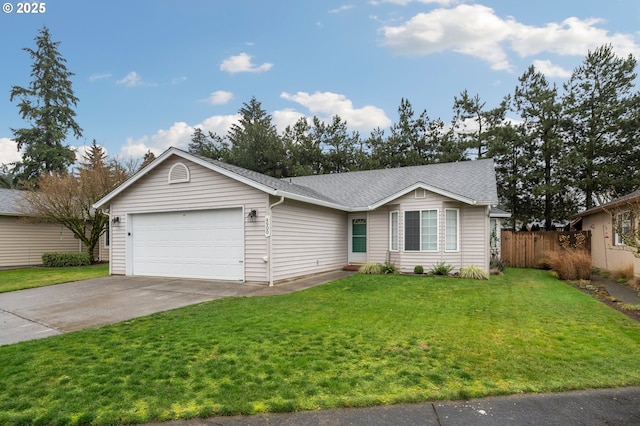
point(271, 182)
point(472, 180)
point(9, 199)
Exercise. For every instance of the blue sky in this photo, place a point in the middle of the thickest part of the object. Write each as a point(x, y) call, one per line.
point(147, 72)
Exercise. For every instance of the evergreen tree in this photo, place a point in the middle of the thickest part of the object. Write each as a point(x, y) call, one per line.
point(337, 144)
point(255, 143)
point(600, 118)
point(48, 104)
point(512, 158)
point(304, 152)
point(537, 104)
point(470, 123)
point(147, 159)
point(211, 146)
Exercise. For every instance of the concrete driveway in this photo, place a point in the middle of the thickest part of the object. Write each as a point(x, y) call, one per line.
point(47, 311)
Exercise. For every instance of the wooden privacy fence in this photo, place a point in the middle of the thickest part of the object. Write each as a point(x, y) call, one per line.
point(524, 249)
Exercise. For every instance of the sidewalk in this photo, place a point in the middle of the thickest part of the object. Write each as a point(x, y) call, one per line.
point(619, 407)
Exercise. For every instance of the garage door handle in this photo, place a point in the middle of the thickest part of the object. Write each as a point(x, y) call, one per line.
point(241, 261)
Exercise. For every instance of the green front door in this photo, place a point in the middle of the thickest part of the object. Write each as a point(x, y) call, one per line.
point(357, 238)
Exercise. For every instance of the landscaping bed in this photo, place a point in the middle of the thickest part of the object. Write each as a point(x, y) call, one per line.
point(596, 287)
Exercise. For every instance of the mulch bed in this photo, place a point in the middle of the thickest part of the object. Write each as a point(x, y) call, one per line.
point(596, 289)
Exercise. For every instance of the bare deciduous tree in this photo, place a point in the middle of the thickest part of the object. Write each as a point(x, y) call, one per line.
point(67, 198)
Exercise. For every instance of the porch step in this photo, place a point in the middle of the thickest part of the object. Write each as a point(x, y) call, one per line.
point(352, 267)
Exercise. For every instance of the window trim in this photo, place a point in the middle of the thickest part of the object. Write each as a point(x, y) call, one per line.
point(107, 235)
point(623, 216)
point(446, 228)
point(420, 227)
point(395, 240)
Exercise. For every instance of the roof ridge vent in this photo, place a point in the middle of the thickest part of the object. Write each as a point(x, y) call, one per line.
point(179, 173)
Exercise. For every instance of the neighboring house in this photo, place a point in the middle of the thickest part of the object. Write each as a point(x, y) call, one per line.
point(23, 240)
point(189, 216)
point(608, 251)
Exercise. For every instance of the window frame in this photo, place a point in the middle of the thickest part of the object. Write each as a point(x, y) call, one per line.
point(107, 235)
point(421, 227)
point(446, 231)
point(626, 217)
point(394, 238)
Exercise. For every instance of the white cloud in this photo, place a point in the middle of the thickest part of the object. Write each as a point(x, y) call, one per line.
point(9, 151)
point(131, 80)
point(219, 124)
point(96, 77)
point(469, 29)
point(286, 117)
point(572, 36)
point(342, 8)
point(242, 63)
point(178, 136)
point(477, 31)
point(326, 104)
point(551, 70)
point(220, 97)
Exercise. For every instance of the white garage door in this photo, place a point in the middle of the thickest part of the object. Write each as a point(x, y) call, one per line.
point(189, 244)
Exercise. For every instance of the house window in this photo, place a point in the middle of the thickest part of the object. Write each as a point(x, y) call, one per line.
point(622, 227)
point(393, 231)
point(451, 232)
point(107, 234)
point(421, 230)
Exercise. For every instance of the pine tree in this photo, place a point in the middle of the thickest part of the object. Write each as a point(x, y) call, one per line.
point(600, 117)
point(255, 143)
point(536, 101)
point(48, 104)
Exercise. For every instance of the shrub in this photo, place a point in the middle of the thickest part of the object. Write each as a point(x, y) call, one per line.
point(418, 269)
point(570, 264)
point(623, 274)
point(389, 268)
point(474, 272)
point(61, 259)
point(497, 264)
point(441, 268)
point(370, 268)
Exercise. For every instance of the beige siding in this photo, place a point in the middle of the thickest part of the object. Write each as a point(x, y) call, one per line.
point(378, 227)
point(475, 234)
point(206, 190)
point(307, 239)
point(473, 245)
point(604, 253)
point(22, 243)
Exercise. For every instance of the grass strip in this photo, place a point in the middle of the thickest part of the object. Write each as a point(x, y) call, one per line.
point(21, 279)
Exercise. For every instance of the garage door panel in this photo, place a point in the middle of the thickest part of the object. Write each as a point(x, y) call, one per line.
point(190, 244)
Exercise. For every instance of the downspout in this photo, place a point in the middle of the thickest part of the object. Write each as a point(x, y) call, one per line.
point(269, 245)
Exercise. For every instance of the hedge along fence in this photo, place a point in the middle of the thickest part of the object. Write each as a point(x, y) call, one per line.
point(524, 249)
point(57, 260)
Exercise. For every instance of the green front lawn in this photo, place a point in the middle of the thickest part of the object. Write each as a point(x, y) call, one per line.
point(20, 279)
point(363, 340)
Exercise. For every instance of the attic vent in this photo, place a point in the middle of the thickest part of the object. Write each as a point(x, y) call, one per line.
point(421, 193)
point(179, 173)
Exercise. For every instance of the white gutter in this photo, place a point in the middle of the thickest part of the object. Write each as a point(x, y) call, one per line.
point(269, 246)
